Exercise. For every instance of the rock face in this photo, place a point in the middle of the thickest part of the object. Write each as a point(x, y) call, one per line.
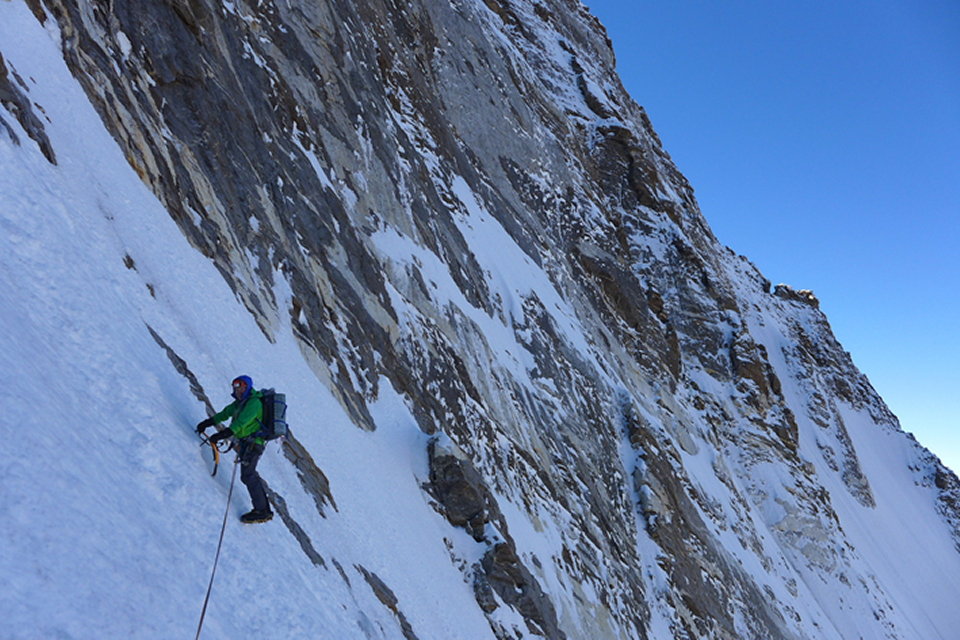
point(463, 201)
point(12, 88)
point(466, 502)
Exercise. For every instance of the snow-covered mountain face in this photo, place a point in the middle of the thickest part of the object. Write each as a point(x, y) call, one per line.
point(530, 393)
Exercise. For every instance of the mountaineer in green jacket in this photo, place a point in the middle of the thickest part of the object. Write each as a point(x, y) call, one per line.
point(246, 415)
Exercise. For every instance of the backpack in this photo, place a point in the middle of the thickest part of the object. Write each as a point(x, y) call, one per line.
point(274, 423)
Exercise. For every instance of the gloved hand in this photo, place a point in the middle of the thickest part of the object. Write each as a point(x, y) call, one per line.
point(202, 426)
point(221, 435)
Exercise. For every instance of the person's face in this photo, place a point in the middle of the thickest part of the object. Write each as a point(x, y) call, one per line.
point(239, 388)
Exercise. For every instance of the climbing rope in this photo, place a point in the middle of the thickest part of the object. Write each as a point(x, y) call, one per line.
point(216, 559)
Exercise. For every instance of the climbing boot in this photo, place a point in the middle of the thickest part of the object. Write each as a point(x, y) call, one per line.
point(257, 515)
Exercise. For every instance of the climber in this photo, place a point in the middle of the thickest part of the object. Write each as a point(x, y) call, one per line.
point(246, 413)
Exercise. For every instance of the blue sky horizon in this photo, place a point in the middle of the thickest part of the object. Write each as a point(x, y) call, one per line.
point(823, 143)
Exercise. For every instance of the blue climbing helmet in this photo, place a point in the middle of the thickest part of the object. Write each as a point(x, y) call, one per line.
point(242, 386)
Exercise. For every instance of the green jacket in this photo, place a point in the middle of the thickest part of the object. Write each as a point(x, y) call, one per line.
point(245, 417)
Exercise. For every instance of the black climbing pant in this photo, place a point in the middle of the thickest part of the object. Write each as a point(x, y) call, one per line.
point(250, 453)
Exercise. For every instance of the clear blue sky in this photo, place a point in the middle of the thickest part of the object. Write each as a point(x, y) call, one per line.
point(823, 142)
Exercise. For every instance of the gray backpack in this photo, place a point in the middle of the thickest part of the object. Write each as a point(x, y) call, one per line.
point(274, 423)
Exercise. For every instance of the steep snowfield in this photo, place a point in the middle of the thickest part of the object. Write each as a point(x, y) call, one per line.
point(110, 514)
point(898, 570)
